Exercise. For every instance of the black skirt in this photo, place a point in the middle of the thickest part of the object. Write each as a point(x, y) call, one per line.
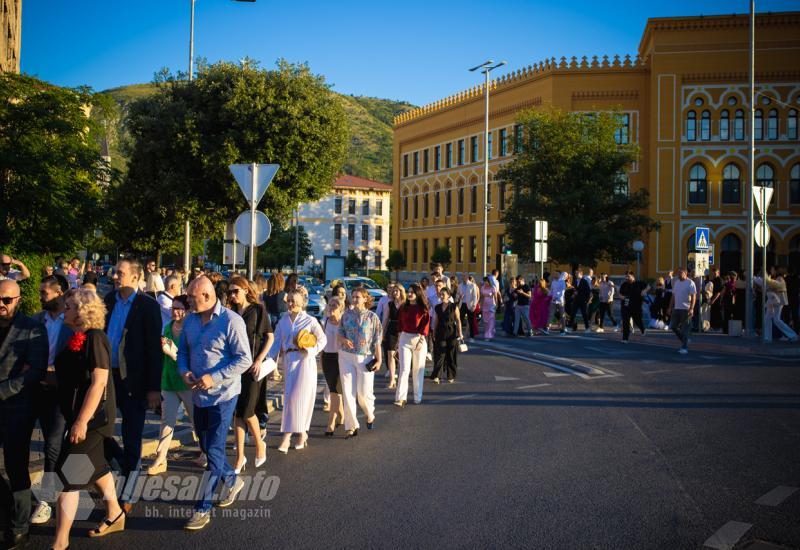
point(250, 396)
point(81, 464)
point(330, 368)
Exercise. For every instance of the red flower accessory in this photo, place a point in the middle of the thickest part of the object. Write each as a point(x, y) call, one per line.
point(76, 342)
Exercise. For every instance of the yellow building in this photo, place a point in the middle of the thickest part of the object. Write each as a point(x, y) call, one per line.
point(10, 31)
point(684, 100)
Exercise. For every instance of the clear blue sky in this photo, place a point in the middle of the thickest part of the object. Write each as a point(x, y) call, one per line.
point(418, 51)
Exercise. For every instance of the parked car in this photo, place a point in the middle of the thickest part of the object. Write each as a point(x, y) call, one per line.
point(316, 305)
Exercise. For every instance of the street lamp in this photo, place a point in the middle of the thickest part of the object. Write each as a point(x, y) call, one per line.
point(187, 230)
point(638, 246)
point(486, 68)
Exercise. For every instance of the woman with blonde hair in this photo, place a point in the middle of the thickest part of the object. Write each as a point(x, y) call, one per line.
point(243, 299)
point(298, 338)
point(86, 397)
point(360, 334)
point(330, 362)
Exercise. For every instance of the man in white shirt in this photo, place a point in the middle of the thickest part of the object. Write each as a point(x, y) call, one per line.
point(8, 272)
point(438, 273)
point(153, 281)
point(681, 308)
point(165, 297)
point(468, 295)
point(557, 289)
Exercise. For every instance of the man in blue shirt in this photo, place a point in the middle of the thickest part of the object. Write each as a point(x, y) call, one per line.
point(213, 353)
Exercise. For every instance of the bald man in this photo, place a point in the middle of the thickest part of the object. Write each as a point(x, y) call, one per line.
point(23, 363)
point(213, 353)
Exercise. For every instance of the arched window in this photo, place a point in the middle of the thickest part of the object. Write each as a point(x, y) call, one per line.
point(724, 125)
point(765, 175)
point(705, 126)
point(460, 201)
point(794, 184)
point(448, 202)
point(738, 125)
point(405, 208)
point(425, 211)
point(473, 199)
point(759, 127)
point(691, 126)
point(731, 184)
point(698, 185)
point(731, 256)
point(436, 197)
point(416, 206)
point(791, 124)
point(772, 124)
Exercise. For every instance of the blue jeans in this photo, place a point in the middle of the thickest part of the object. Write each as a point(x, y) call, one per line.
point(211, 424)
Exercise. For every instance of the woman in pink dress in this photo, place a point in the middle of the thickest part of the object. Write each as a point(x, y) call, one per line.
point(490, 298)
point(540, 307)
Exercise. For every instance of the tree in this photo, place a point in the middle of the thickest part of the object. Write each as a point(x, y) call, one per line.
point(186, 135)
point(441, 255)
point(570, 172)
point(50, 167)
point(396, 261)
point(353, 261)
point(278, 251)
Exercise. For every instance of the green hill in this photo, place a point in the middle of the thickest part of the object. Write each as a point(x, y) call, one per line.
point(370, 154)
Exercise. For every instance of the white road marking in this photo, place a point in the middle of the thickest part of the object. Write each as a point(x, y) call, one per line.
point(728, 535)
point(565, 370)
point(777, 495)
point(532, 386)
point(554, 374)
point(598, 350)
point(504, 378)
point(709, 357)
point(455, 397)
point(701, 367)
point(655, 371)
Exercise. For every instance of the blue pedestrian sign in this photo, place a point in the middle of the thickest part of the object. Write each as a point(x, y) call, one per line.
point(701, 238)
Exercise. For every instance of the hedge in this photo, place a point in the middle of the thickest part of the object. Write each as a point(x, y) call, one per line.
point(380, 279)
point(29, 288)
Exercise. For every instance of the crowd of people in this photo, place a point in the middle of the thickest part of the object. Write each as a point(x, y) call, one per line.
point(162, 339)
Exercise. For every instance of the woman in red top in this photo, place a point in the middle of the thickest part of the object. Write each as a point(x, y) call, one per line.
point(413, 321)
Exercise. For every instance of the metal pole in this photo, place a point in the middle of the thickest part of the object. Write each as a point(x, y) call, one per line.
point(485, 173)
point(764, 232)
point(749, 317)
point(251, 270)
point(297, 240)
point(187, 230)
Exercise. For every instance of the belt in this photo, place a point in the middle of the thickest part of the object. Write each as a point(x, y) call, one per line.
point(290, 350)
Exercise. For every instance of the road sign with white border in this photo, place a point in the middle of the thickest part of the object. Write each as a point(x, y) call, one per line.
point(701, 238)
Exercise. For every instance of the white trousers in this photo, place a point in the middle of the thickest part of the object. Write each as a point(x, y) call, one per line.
point(774, 316)
point(357, 383)
point(169, 417)
point(411, 360)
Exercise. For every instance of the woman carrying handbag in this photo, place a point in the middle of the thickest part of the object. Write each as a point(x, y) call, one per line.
point(447, 335)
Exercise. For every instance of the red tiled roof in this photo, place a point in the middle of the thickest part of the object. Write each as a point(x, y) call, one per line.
point(354, 182)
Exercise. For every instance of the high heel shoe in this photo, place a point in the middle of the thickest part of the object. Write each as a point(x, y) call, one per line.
point(110, 526)
point(283, 450)
point(330, 433)
point(302, 445)
point(260, 461)
point(353, 433)
point(240, 469)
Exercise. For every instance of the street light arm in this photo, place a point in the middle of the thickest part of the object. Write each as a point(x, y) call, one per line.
point(481, 66)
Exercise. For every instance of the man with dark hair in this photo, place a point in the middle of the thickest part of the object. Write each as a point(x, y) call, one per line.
point(631, 293)
point(7, 270)
point(523, 294)
point(133, 325)
point(583, 295)
point(23, 361)
point(45, 398)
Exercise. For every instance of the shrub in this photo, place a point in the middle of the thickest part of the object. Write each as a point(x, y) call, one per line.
point(380, 279)
point(29, 288)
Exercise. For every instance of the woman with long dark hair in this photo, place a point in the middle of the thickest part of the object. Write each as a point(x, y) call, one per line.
point(446, 328)
point(413, 322)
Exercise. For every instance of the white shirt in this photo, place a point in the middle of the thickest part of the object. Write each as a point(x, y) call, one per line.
point(165, 303)
point(53, 327)
point(495, 282)
point(12, 275)
point(468, 293)
point(681, 292)
point(331, 332)
point(382, 303)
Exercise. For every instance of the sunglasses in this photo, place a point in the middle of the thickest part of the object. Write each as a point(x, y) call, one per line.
point(5, 265)
point(233, 292)
point(8, 300)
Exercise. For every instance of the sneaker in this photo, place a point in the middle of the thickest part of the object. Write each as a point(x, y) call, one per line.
point(562, 333)
point(600, 329)
point(625, 341)
point(233, 492)
point(41, 514)
point(201, 461)
point(197, 521)
point(451, 380)
point(616, 328)
point(435, 380)
point(683, 351)
point(429, 357)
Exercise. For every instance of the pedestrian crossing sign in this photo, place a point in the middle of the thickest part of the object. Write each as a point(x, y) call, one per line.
point(701, 238)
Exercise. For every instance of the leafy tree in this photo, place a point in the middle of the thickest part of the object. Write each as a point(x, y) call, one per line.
point(186, 135)
point(50, 168)
point(353, 261)
point(278, 251)
point(396, 261)
point(441, 255)
point(570, 172)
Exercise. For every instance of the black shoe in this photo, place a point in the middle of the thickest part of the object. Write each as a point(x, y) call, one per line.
point(328, 434)
point(353, 434)
point(16, 542)
point(370, 425)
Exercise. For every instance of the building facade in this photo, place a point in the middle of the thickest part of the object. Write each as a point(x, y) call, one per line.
point(10, 35)
point(683, 99)
point(353, 217)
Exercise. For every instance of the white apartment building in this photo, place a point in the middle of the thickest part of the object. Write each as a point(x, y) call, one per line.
point(354, 216)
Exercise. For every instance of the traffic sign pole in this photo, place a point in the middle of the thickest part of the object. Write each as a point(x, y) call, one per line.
point(251, 271)
point(764, 243)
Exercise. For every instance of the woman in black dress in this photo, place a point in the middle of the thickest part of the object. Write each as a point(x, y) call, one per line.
point(86, 398)
point(446, 329)
point(391, 332)
point(242, 299)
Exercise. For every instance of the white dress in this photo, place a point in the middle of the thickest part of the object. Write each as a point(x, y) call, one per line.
point(300, 380)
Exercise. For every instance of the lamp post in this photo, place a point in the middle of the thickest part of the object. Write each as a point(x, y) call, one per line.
point(638, 246)
point(486, 68)
point(749, 317)
point(187, 229)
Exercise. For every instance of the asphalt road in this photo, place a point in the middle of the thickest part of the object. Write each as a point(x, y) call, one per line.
point(557, 442)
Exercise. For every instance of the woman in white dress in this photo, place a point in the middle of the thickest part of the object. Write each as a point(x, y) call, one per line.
point(300, 368)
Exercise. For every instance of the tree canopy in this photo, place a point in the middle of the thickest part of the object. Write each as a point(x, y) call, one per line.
point(570, 171)
point(184, 137)
point(278, 251)
point(51, 173)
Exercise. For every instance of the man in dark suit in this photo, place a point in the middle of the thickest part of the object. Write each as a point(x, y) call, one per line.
point(583, 296)
point(23, 361)
point(133, 325)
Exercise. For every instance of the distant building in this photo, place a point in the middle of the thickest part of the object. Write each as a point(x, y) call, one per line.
point(353, 217)
point(10, 35)
point(683, 98)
